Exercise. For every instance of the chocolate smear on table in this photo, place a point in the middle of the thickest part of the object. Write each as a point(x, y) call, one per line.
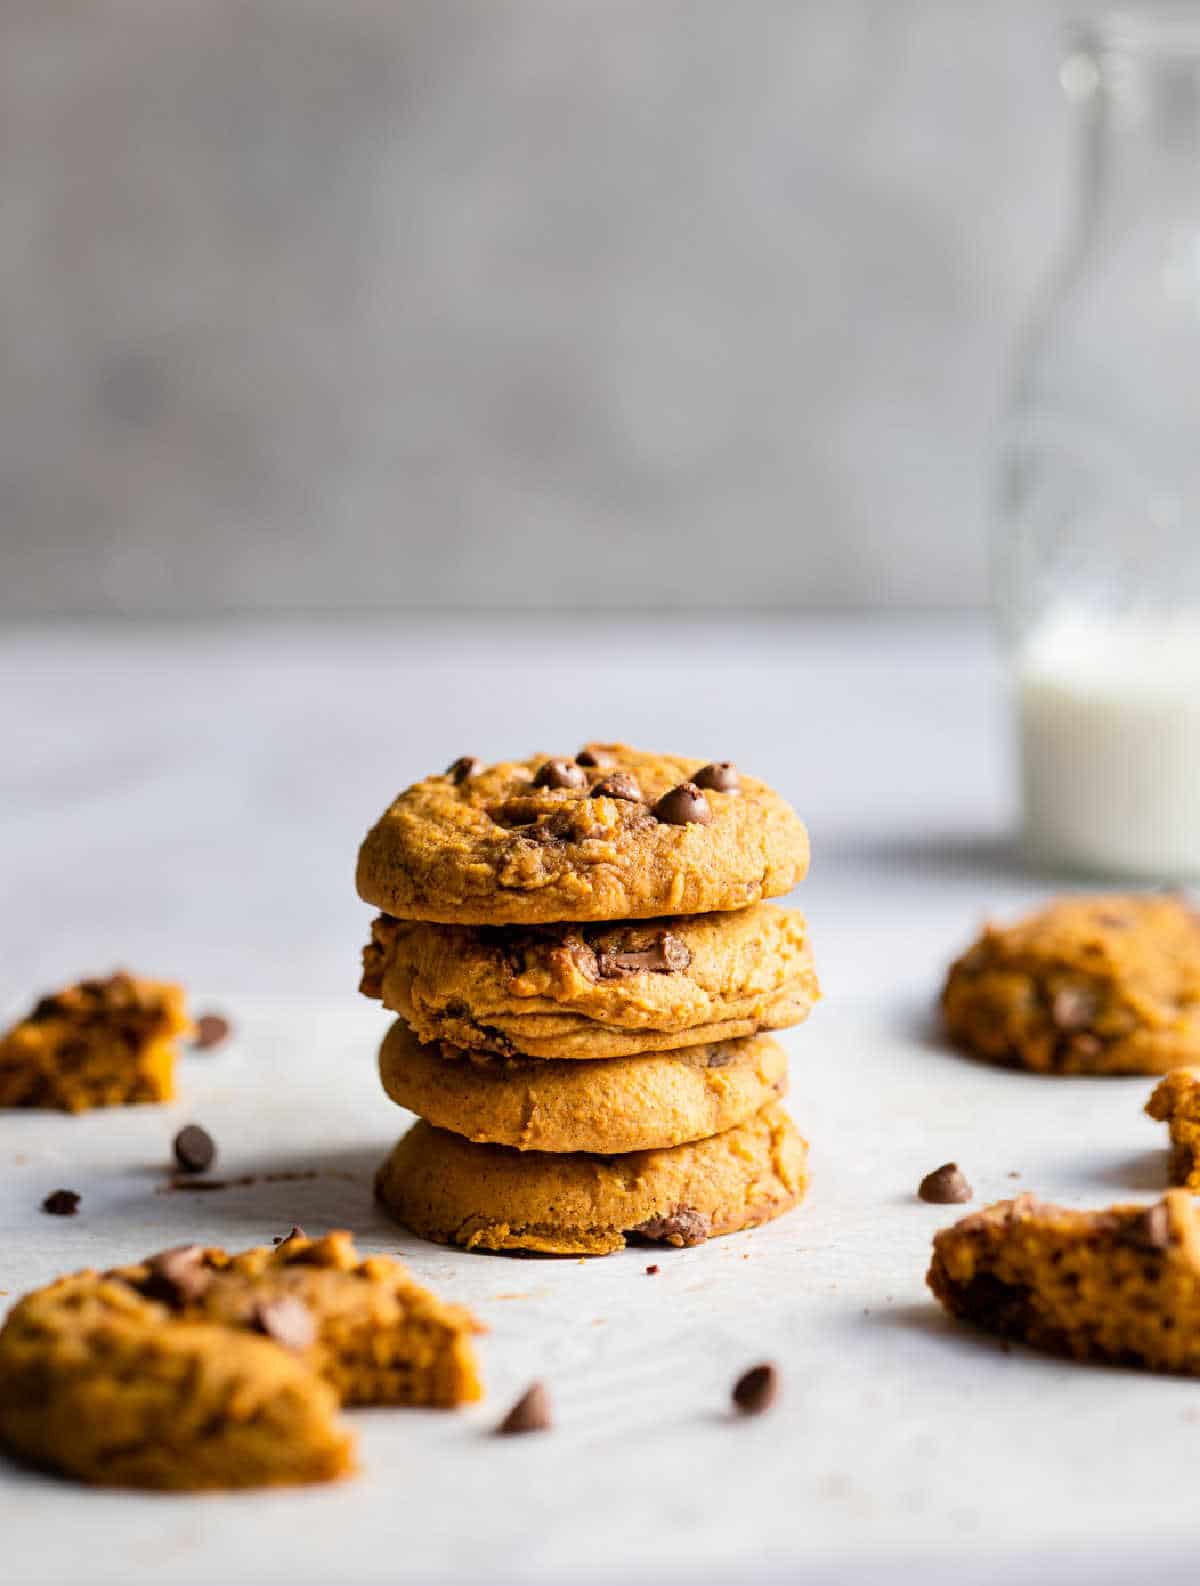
point(756, 1390)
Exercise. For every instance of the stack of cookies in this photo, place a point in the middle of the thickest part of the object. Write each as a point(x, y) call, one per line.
point(583, 965)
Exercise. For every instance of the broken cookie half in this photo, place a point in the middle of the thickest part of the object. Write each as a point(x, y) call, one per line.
point(197, 1369)
point(1120, 1285)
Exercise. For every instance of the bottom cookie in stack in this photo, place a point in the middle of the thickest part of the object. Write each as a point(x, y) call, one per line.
point(569, 1158)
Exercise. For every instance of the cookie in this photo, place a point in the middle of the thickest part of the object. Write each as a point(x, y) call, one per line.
point(102, 1043)
point(1121, 1285)
point(199, 1369)
point(613, 1105)
point(588, 991)
point(613, 834)
point(490, 1197)
point(1176, 1102)
point(1088, 985)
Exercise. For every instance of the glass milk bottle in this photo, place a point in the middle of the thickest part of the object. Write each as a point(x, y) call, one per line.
point(1099, 567)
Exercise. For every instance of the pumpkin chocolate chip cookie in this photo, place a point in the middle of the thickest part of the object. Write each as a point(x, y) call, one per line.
point(490, 1197)
point(1175, 1101)
point(199, 1369)
point(102, 1043)
point(589, 991)
point(615, 1104)
point(1088, 985)
point(1121, 1285)
point(612, 834)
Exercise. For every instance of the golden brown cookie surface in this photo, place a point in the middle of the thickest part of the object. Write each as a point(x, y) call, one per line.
point(608, 1106)
point(101, 1043)
point(1087, 985)
point(199, 1369)
point(1119, 1285)
point(614, 833)
point(489, 1197)
point(589, 991)
point(1176, 1102)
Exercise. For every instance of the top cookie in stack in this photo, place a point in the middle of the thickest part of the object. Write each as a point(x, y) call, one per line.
point(614, 834)
point(606, 908)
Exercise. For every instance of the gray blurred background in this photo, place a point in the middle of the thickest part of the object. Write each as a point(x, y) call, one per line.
point(361, 303)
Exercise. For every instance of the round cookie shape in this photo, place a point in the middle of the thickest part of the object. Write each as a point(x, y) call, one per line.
point(594, 991)
point(514, 843)
point(615, 1105)
point(1097, 984)
point(490, 1197)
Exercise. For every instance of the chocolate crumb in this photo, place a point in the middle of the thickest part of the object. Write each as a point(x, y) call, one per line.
point(195, 1149)
point(652, 1270)
point(62, 1203)
point(756, 1390)
point(945, 1186)
point(288, 1321)
point(531, 1412)
point(211, 1030)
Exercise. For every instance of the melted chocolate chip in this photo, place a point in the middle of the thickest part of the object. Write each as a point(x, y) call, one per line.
point(195, 1149)
point(62, 1203)
point(211, 1030)
point(684, 1227)
point(560, 774)
point(619, 785)
point(756, 1390)
point(684, 805)
point(465, 767)
point(531, 1413)
point(594, 757)
point(177, 1276)
point(1074, 1007)
point(945, 1186)
point(1152, 1230)
point(288, 1321)
point(719, 777)
point(666, 956)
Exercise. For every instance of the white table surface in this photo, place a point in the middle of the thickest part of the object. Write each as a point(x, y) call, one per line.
point(188, 803)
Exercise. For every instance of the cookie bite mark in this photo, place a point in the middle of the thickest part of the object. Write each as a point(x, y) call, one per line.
point(1087, 985)
point(1121, 1285)
point(1175, 1101)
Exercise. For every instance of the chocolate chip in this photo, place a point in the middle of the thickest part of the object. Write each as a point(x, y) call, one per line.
point(531, 1412)
point(720, 1056)
point(211, 1030)
point(1152, 1230)
point(288, 1321)
point(560, 774)
point(756, 1390)
point(195, 1149)
point(296, 1233)
point(465, 767)
point(62, 1203)
point(945, 1186)
point(652, 1270)
point(594, 757)
point(684, 805)
point(684, 1227)
point(719, 777)
point(177, 1276)
point(667, 956)
point(1074, 1007)
point(620, 785)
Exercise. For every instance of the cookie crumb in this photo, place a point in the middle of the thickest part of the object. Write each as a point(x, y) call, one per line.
point(531, 1413)
point(62, 1203)
point(652, 1270)
point(211, 1030)
point(195, 1149)
point(756, 1390)
point(945, 1186)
